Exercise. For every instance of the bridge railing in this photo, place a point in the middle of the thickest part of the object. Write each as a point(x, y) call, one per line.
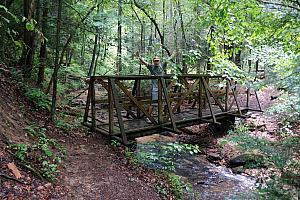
point(189, 99)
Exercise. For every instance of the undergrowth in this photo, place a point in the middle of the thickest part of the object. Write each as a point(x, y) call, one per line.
point(38, 97)
point(43, 156)
point(282, 156)
point(161, 157)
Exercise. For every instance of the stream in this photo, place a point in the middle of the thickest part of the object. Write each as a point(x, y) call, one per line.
point(206, 180)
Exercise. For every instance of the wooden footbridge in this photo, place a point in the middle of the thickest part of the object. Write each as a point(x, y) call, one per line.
point(117, 106)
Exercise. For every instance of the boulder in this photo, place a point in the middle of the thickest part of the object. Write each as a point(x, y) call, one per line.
point(247, 160)
point(213, 157)
point(238, 170)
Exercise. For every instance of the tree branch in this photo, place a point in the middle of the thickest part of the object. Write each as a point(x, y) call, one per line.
point(12, 178)
point(156, 26)
point(281, 4)
point(69, 41)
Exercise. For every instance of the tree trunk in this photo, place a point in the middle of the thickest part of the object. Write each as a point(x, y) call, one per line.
point(8, 3)
point(82, 51)
point(155, 25)
point(29, 39)
point(209, 54)
point(163, 26)
point(68, 62)
point(184, 42)
point(56, 67)
point(43, 47)
point(119, 61)
point(94, 54)
point(66, 46)
point(98, 55)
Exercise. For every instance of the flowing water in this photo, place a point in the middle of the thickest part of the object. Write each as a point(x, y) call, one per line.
point(208, 181)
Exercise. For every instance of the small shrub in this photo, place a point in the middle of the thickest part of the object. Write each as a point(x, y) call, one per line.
point(178, 186)
point(43, 154)
point(21, 150)
point(39, 98)
point(161, 155)
point(61, 124)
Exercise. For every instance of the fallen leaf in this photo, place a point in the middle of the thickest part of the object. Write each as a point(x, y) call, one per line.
point(14, 170)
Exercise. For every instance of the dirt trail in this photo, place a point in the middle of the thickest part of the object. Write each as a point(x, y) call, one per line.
point(92, 168)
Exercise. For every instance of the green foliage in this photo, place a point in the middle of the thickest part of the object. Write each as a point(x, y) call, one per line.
point(6, 19)
point(63, 125)
point(279, 155)
point(178, 186)
point(288, 110)
point(43, 154)
point(115, 143)
point(161, 189)
point(129, 154)
point(162, 155)
point(277, 188)
point(21, 150)
point(40, 99)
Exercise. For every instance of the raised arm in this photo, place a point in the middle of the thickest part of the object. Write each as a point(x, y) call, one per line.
point(175, 52)
point(141, 59)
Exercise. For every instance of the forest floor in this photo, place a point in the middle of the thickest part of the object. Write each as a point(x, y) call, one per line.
point(91, 167)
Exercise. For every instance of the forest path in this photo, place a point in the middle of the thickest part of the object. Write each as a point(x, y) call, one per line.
point(92, 170)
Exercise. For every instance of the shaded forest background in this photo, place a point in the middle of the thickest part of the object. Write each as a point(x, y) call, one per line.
point(52, 45)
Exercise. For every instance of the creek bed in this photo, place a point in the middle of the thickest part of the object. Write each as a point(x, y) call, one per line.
point(208, 181)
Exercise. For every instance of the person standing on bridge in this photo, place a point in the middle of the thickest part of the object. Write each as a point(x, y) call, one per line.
point(156, 69)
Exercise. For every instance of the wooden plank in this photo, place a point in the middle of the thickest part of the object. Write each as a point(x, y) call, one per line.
point(234, 90)
point(168, 104)
point(149, 77)
point(103, 83)
point(208, 99)
point(121, 86)
point(257, 100)
point(237, 103)
point(118, 109)
point(209, 121)
point(227, 95)
point(128, 110)
point(200, 107)
point(216, 100)
point(182, 98)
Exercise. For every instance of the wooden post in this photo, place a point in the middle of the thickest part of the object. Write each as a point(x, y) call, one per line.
point(213, 96)
point(160, 102)
point(200, 99)
point(87, 105)
point(138, 112)
point(248, 97)
point(110, 109)
point(227, 95)
point(93, 104)
point(236, 101)
point(118, 109)
point(162, 80)
point(208, 100)
point(257, 100)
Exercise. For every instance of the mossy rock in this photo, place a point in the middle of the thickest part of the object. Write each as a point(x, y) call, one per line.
point(247, 160)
